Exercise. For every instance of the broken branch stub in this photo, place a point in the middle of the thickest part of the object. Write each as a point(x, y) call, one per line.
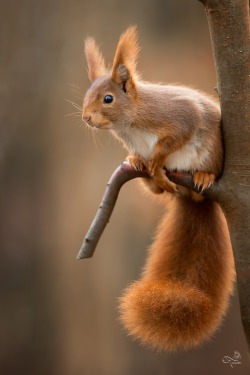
point(121, 175)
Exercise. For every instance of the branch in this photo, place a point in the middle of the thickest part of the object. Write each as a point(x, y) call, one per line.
point(121, 175)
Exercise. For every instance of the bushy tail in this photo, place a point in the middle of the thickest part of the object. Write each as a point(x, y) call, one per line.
point(184, 290)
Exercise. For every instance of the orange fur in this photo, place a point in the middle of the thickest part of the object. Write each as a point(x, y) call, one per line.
point(126, 52)
point(184, 290)
point(96, 64)
point(183, 294)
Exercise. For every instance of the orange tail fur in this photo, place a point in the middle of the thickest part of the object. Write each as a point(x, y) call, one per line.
point(185, 287)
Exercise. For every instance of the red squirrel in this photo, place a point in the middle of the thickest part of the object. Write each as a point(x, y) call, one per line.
point(184, 290)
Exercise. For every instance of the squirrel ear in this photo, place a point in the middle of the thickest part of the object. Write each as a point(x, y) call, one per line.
point(95, 61)
point(124, 65)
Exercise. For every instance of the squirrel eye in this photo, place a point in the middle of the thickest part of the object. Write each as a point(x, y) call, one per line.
point(108, 99)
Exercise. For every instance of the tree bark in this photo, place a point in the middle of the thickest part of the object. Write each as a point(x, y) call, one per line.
point(230, 35)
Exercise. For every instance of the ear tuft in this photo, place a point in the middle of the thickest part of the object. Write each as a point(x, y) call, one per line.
point(124, 65)
point(95, 61)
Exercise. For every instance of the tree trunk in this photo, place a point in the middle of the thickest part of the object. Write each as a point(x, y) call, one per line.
point(230, 35)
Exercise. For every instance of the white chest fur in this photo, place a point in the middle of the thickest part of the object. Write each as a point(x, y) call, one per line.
point(138, 141)
point(190, 157)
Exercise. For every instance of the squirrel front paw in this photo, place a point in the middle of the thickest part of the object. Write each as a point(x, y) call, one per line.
point(203, 180)
point(136, 162)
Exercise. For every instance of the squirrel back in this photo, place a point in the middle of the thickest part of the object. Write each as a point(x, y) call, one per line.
point(185, 287)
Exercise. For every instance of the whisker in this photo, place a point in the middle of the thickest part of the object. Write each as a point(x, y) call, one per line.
point(94, 138)
point(76, 88)
point(79, 98)
point(78, 95)
point(91, 132)
point(74, 104)
point(97, 141)
point(79, 113)
point(77, 91)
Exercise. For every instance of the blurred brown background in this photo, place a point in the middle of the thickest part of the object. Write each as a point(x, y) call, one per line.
point(59, 315)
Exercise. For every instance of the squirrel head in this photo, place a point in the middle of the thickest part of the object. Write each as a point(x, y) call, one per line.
point(109, 102)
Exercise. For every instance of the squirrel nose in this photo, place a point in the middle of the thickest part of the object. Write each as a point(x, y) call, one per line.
point(86, 119)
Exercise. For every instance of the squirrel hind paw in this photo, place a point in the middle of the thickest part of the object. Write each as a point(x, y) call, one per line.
point(151, 186)
point(160, 179)
point(203, 180)
point(165, 184)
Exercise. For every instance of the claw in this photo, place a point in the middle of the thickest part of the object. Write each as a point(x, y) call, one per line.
point(136, 162)
point(203, 180)
point(152, 168)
